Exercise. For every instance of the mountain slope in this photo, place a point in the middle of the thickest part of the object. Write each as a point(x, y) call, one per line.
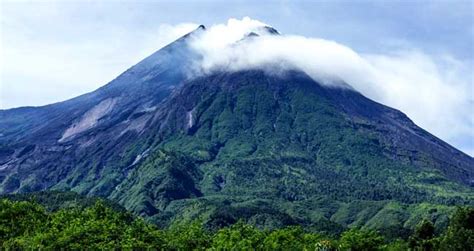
point(275, 149)
point(140, 87)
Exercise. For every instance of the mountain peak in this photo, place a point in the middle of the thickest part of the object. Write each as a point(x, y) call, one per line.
point(271, 30)
point(260, 31)
point(264, 30)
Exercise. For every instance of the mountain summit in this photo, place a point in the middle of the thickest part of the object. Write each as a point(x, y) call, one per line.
point(273, 149)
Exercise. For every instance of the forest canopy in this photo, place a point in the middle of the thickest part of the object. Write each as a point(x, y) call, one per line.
point(29, 225)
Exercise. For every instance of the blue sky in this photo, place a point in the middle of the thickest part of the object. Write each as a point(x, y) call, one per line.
point(55, 50)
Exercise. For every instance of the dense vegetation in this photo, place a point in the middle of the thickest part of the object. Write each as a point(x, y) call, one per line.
point(273, 151)
point(29, 225)
point(55, 200)
point(278, 152)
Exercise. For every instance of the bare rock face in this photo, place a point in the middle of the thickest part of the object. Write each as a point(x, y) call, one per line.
point(89, 119)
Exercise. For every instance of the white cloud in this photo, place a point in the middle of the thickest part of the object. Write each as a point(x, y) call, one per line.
point(435, 91)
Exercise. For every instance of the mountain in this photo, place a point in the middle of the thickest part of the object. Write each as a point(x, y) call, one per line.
point(273, 149)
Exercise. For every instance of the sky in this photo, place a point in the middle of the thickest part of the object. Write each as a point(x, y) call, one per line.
point(420, 53)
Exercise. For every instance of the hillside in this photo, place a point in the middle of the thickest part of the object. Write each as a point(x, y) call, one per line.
point(27, 225)
point(272, 149)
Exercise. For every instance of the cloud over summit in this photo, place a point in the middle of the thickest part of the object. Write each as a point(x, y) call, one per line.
point(433, 90)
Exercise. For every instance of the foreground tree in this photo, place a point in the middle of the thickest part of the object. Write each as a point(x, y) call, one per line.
point(356, 240)
point(422, 239)
point(460, 232)
point(26, 225)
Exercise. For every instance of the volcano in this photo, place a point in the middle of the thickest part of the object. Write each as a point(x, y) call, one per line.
point(271, 149)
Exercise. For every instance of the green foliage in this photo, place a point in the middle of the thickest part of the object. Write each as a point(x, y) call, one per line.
point(265, 153)
point(55, 200)
point(460, 233)
point(397, 245)
point(458, 236)
point(422, 239)
point(272, 151)
point(187, 236)
point(96, 227)
point(359, 240)
point(239, 236)
point(17, 218)
point(294, 238)
point(425, 230)
point(27, 225)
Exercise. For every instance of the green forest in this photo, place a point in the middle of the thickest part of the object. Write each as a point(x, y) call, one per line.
point(267, 163)
point(85, 223)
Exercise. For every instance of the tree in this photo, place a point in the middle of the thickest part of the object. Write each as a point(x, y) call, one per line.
point(423, 238)
point(356, 240)
point(425, 230)
point(291, 238)
point(460, 232)
point(240, 236)
point(20, 217)
point(185, 236)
